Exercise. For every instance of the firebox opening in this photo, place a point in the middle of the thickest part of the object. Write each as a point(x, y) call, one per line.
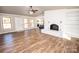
point(54, 27)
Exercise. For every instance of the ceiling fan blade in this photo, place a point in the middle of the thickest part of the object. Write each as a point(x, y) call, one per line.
point(36, 10)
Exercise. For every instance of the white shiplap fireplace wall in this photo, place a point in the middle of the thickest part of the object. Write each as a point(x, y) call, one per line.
point(67, 19)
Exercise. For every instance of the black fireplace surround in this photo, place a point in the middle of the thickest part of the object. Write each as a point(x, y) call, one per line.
point(54, 27)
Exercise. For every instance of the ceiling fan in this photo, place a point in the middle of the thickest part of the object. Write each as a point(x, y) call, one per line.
point(31, 10)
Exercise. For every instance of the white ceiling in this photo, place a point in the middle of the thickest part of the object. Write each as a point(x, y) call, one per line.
point(22, 10)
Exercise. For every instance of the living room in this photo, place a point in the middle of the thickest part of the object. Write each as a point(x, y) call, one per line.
point(29, 29)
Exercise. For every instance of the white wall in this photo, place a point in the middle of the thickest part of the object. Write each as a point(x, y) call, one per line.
point(67, 19)
point(16, 20)
point(71, 23)
point(19, 24)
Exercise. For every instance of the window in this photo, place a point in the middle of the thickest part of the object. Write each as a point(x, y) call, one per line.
point(39, 21)
point(25, 23)
point(6, 23)
point(28, 23)
point(32, 23)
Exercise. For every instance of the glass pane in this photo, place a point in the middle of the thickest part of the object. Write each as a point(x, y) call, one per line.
point(6, 23)
point(32, 23)
point(25, 20)
point(6, 20)
point(7, 26)
point(39, 21)
point(25, 23)
point(26, 26)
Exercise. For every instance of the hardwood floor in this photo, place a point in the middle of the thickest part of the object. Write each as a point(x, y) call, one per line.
point(33, 41)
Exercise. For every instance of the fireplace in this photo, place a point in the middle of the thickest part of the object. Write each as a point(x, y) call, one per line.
point(54, 27)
